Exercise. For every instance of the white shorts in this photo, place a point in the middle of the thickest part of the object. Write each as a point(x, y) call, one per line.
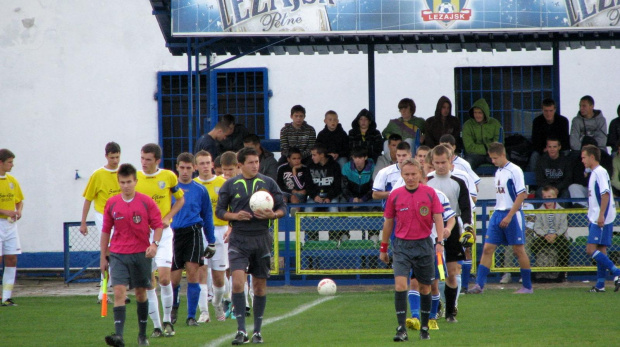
point(163, 258)
point(219, 262)
point(99, 224)
point(9, 239)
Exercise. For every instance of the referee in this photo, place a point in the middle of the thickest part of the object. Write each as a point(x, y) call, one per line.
point(414, 208)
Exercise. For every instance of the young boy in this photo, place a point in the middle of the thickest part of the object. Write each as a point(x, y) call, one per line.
point(298, 134)
point(132, 215)
point(228, 161)
point(294, 178)
point(357, 177)
point(217, 165)
point(11, 206)
point(326, 178)
point(334, 138)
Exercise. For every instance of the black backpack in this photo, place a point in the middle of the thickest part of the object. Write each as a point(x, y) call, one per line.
point(518, 150)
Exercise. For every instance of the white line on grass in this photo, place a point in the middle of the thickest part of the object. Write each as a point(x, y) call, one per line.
point(268, 321)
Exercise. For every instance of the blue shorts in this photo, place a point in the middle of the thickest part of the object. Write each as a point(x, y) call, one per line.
point(600, 236)
point(513, 234)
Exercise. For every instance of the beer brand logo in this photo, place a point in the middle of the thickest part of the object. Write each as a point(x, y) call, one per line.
point(137, 219)
point(446, 12)
point(424, 211)
point(593, 13)
point(161, 184)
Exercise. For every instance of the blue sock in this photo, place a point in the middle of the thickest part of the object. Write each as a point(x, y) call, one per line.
point(605, 262)
point(414, 303)
point(434, 307)
point(193, 294)
point(526, 277)
point(466, 274)
point(483, 272)
point(601, 274)
point(175, 295)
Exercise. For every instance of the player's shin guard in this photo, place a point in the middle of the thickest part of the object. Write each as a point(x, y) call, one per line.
point(8, 281)
point(119, 320)
point(414, 303)
point(526, 277)
point(203, 300)
point(259, 303)
point(166, 301)
point(154, 308)
point(218, 294)
point(143, 316)
point(238, 301)
point(193, 294)
point(483, 272)
point(466, 274)
point(400, 303)
point(450, 300)
point(425, 309)
point(434, 307)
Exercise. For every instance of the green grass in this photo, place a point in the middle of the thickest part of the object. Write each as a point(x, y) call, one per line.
point(550, 317)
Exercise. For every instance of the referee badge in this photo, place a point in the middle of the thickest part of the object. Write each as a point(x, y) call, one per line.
point(137, 218)
point(424, 211)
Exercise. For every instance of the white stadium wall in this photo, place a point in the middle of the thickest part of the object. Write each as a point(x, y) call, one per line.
point(77, 74)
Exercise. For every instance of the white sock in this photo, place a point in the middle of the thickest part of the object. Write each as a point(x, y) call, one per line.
point(246, 292)
point(228, 286)
point(218, 294)
point(209, 282)
point(458, 288)
point(151, 295)
point(167, 300)
point(203, 301)
point(8, 280)
point(442, 288)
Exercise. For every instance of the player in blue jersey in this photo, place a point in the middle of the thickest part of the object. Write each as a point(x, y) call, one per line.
point(601, 214)
point(507, 224)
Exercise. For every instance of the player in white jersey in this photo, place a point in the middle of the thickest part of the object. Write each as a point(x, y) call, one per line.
point(102, 185)
point(161, 185)
point(507, 224)
point(11, 206)
point(458, 162)
point(387, 178)
point(601, 215)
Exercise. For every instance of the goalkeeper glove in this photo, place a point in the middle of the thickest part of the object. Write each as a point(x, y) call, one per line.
point(467, 238)
point(210, 251)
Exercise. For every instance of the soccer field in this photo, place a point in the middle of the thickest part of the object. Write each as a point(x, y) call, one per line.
point(567, 316)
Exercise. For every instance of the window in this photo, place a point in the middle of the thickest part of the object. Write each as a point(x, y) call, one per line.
point(240, 92)
point(514, 93)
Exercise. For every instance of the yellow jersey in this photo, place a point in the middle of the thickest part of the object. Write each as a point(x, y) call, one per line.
point(10, 194)
point(161, 187)
point(213, 187)
point(102, 185)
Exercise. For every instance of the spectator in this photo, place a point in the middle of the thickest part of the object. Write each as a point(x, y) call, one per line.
point(209, 141)
point(407, 125)
point(267, 162)
point(579, 188)
point(357, 177)
point(478, 133)
point(326, 178)
point(615, 177)
point(442, 123)
point(334, 138)
point(588, 122)
point(389, 157)
point(298, 134)
point(233, 142)
point(548, 124)
point(294, 178)
point(551, 231)
point(364, 134)
point(614, 130)
point(554, 169)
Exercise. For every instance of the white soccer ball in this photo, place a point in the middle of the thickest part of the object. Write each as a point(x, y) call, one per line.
point(445, 7)
point(327, 287)
point(261, 200)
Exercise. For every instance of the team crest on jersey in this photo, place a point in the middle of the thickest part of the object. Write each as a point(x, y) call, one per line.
point(446, 12)
point(216, 190)
point(11, 185)
point(161, 184)
point(137, 219)
point(424, 211)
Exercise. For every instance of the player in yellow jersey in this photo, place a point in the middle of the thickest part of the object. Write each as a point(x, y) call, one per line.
point(11, 205)
point(161, 185)
point(102, 185)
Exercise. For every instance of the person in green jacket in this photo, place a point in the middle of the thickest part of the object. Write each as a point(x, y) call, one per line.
point(407, 125)
point(478, 132)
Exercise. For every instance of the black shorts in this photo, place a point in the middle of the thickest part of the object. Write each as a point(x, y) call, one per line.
point(416, 255)
point(130, 269)
point(453, 249)
point(250, 253)
point(187, 246)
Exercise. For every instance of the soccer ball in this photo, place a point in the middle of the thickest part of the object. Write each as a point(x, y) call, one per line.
point(445, 7)
point(261, 200)
point(326, 287)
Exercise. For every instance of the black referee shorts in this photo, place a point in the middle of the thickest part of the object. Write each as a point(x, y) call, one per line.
point(250, 253)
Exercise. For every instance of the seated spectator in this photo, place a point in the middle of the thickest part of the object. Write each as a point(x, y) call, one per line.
point(326, 179)
point(550, 229)
point(478, 133)
point(210, 141)
point(298, 134)
point(615, 176)
point(389, 157)
point(588, 122)
point(294, 178)
point(364, 134)
point(407, 125)
point(548, 124)
point(554, 169)
point(234, 141)
point(442, 123)
point(357, 178)
point(267, 162)
point(579, 188)
point(458, 162)
point(334, 138)
point(614, 131)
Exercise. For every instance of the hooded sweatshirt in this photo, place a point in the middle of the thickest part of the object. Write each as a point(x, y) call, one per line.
point(437, 127)
point(371, 140)
point(327, 179)
point(478, 136)
point(614, 132)
point(595, 127)
point(335, 141)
